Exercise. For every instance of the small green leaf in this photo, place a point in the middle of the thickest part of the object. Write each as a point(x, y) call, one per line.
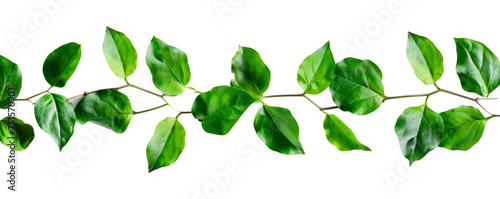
point(10, 82)
point(220, 108)
point(119, 53)
point(166, 145)
point(419, 131)
point(425, 58)
point(108, 108)
point(61, 64)
point(55, 115)
point(357, 86)
point(250, 72)
point(463, 127)
point(316, 71)
point(278, 129)
point(341, 135)
point(477, 67)
point(169, 67)
point(15, 133)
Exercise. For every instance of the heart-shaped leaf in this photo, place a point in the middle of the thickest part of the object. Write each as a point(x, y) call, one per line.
point(341, 135)
point(166, 145)
point(16, 134)
point(119, 53)
point(316, 71)
point(425, 58)
point(250, 72)
point(10, 82)
point(463, 127)
point(61, 63)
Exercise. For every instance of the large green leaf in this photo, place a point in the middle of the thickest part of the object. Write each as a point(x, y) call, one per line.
point(316, 71)
point(425, 58)
point(419, 131)
point(166, 144)
point(278, 129)
point(477, 67)
point(15, 133)
point(250, 72)
point(220, 108)
point(10, 82)
point(357, 86)
point(119, 53)
point(108, 108)
point(169, 67)
point(61, 64)
point(463, 127)
point(55, 115)
point(341, 135)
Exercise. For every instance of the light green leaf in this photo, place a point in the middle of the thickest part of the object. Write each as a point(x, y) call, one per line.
point(341, 135)
point(10, 82)
point(463, 127)
point(316, 71)
point(250, 72)
point(166, 145)
point(16, 134)
point(425, 58)
point(119, 53)
point(61, 64)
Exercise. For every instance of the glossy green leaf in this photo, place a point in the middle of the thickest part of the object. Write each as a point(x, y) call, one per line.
point(169, 67)
point(16, 134)
point(166, 145)
point(220, 108)
point(108, 108)
point(340, 135)
point(119, 53)
point(425, 58)
point(55, 115)
point(10, 82)
point(250, 72)
point(463, 127)
point(477, 67)
point(419, 131)
point(277, 128)
point(316, 71)
point(357, 86)
point(61, 64)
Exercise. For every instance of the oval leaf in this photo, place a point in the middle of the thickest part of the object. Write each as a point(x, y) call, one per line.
point(169, 67)
point(419, 131)
point(425, 58)
point(278, 129)
point(477, 67)
point(166, 145)
point(357, 86)
point(16, 134)
point(220, 108)
point(55, 115)
point(340, 135)
point(108, 108)
point(316, 71)
point(250, 72)
point(463, 127)
point(10, 82)
point(61, 64)
point(119, 53)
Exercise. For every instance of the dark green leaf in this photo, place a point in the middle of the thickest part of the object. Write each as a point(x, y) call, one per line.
point(278, 129)
point(220, 108)
point(55, 115)
point(61, 64)
point(463, 127)
point(425, 58)
point(166, 144)
point(341, 135)
point(477, 67)
point(10, 82)
point(250, 72)
point(108, 108)
point(357, 86)
point(16, 134)
point(169, 67)
point(119, 52)
point(316, 71)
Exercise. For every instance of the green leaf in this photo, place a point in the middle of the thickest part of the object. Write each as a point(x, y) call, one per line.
point(425, 58)
point(220, 108)
point(119, 53)
point(108, 108)
point(357, 86)
point(419, 130)
point(16, 134)
point(250, 72)
point(278, 129)
point(166, 144)
point(169, 67)
point(61, 64)
point(55, 115)
point(477, 67)
point(10, 82)
point(341, 135)
point(316, 71)
point(463, 127)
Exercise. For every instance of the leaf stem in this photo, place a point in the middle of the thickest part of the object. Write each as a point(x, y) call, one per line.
point(152, 109)
point(147, 91)
point(304, 96)
point(196, 91)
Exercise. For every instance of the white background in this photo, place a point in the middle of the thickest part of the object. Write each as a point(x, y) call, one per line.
point(284, 33)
